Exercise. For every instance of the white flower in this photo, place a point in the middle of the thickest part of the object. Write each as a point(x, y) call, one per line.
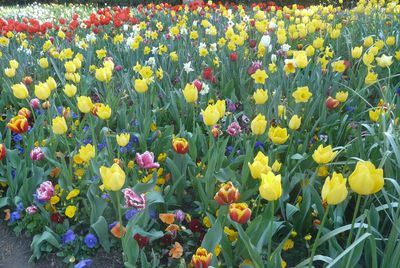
point(125, 27)
point(273, 58)
point(202, 45)
point(154, 50)
point(213, 47)
point(188, 67)
point(285, 47)
point(205, 89)
point(265, 41)
point(272, 25)
point(183, 31)
point(151, 61)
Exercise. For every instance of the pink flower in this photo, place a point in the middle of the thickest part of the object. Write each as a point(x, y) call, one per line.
point(133, 200)
point(35, 103)
point(45, 191)
point(31, 210)
point(36, 154)
point(146, 160)
point(234, 129)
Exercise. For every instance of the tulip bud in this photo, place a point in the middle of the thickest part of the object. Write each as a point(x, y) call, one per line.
point(227, 194)
point(180, 145)
point(3, 151)
point(36, 154)
point(239, 212)
point(331, 103)
point(197, 83)
point(35, 103)
point(202, 258)
point(24, 112)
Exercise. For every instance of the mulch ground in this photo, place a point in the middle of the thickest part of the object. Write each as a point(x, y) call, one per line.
point(15, 252)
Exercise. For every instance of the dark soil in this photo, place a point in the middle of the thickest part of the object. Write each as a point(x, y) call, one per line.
point(15, 252)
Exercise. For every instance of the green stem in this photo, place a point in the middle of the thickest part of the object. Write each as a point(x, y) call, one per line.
point(119, 213)
point(353, 220)
point(92, 127)
point(271, 229)
point(315, 245)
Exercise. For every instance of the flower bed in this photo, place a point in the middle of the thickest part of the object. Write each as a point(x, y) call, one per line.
point(203, 135)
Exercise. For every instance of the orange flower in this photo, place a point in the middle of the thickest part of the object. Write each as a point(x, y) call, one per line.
point(3, 151)
point(167, 218)
point(239, 212)
point(7, 214)
point(172, 228)
point(180, 145)
point(24, 112)
point(177, 251)
point(202, 258)
point(18, 124)
point(116, 230)
point(55, 172)
point(227, 194)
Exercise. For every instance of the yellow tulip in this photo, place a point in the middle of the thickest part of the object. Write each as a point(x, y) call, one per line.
point(85, 104)
point(43, 63)
point(70, 67)
point(276, 166)
point(87, 152)
point(301, 60)
point(103, 111)
point(221, 107)
point(371, 78)
point(295, 122)
point(342, 96)
point(103, 74)
point(14, 64)
point(9, 72)
point(42, 91)
point(59, 125)
point(271, 186)
point(368, 41)
point(338, 66)
point(260, 96)
point(141, 86)
point(113, 178)
point(375, 114)
point(278, 135)
point(51, 83)
point(384, 61)
point(20, 91)
point(210, 115)
point(70, 90)
point(259, 165)
point(356, 52)
point(366, 179)
point(123, 139)
point(190, 93)
point(334, 190)
point(324, 155)
point(258, 125)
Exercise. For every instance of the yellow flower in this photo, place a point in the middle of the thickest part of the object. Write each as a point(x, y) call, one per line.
point(375, 114)
point(338, 66)
point(104, 74)
point(20, 91)
point(384, 61)
point(13, 64)
point(123, 139)
point(210, 115)
point(323, 155)
point(323, 171)
point(42, 91)
point(70, 211)
point(51, 83)
point(391, 41)
point(258, 125)
point(87, 152)
point(300, 58)
point(9, 72)
point(318, 43)
point(260, 96)
point(206, 222)
point(232, 234)
point(70, 67)
point(276, 166)
point(342, 96)
point(70, 90)
point(289, 244)
point(366, 179)
point(302, 94)
point(290, 66)
point(371, 78)
point(334, 190)
point(113, 178)
point(259, 76)
point(295, 122)
point(271, 187)
point(54, 199)
point(221, 107)
point(103, 111)
point(141, 86)
point(43, 63)
point(73, 193)
point(259, 165)
point(190, 93)
point(278, 135)
point(308, 237)
point(59, 125)
point(85, 104)
point(356, 52)
point(368, 41)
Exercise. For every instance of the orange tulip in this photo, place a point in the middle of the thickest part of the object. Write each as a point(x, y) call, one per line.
point(18, 124)
point(227, 194)
point(180, 145)
point(202, 258)
point(117, 231)
point(239, 212)
point(24, 112)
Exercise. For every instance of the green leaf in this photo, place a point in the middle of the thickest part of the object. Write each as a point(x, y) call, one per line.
point(212, 237)
point(4, 201)
point(101, 229)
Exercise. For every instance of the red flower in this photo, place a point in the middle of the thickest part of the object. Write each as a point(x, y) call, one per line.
point(197, 83)
point(18, 124)
point(239, 212)
point(142, 240)
point(252, 43)
point(195, 226)
point(331, 103)
point(57, 218)
point(208, 73)
point(3, 151)
point(233, 56)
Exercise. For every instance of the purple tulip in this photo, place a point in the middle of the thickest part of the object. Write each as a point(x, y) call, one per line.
point(234, 129)
point(133, 200)
point(146, 160)
point(35, 103)
point(36, 154)
point(31, 210)
point(45, 191)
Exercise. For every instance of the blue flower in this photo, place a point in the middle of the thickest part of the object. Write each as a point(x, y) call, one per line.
point(85, 128)
point(130, 214)
point(17, 138)
point(69, 236)
point(74, 115)
point(20, 206)
point(259, 145)
point(153, 214)
point(135, 139)
point(15, 216)
point(87, 141)
point(111, 225)
point(228, 150)
point(84, 263)
point(90, 240)
point(101, 145)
